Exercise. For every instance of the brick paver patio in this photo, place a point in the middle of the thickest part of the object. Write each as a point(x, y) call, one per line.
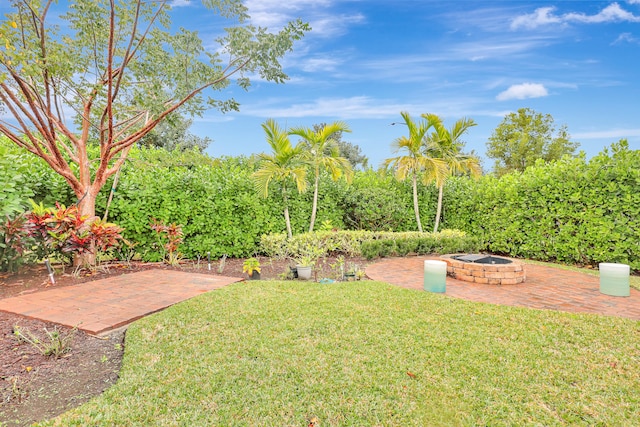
point(545, 288)
point(106, 304)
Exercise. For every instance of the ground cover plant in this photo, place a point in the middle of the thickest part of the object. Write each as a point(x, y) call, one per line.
point(285, 353)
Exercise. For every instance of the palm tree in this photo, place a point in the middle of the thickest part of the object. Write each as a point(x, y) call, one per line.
point(323, 154)
point(416, 162)
point(284, 165)
point(445, 144)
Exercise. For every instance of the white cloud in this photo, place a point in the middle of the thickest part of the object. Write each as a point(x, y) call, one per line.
point(180, 3)
point(288, 4)
point(333, 25)
point(313, 65)
point(490, 48)
point(545, 16)
point(610, 134)
point(542, 16)
point(356, 107)
point(626, 38)
point(435, 66)
point(611, 13)
point(269, 19)
point(365, 107)
point(523, 91)
point(319, 14)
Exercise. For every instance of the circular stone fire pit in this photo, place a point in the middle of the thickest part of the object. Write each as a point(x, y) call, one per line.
point(485, 269)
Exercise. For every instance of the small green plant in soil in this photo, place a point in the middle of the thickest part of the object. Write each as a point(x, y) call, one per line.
point(250, 266)
point(338, 267)
point(55, 343)
point(170, 237)
point(222, 263)
point(20, 388)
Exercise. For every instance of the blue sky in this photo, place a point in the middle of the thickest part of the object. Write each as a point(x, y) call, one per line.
point(365, 61)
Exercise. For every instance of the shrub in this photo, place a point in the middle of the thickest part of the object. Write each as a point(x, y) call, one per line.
point(55, 343)
point(170, 238)
point(62, 232)
point(570, 211)
point(214, 201)
point(376, 201)
point(14, 191)
point(573, 210)
point(402, 244)
point(14, 243)
point(326, 242)
point(368, 244)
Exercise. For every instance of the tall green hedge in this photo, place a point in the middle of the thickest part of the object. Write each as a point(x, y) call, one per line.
point(574, 210)
point(376, 201)
point(216, 203)
point(24, 176)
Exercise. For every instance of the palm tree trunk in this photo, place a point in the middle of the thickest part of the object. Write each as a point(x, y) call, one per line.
point(286, 212)
point(439, 209)
point(416, 209)
point(314, 207)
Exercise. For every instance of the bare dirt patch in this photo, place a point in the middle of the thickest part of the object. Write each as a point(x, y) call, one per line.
point(34, 387)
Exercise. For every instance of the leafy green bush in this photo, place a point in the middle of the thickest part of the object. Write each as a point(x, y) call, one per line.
point(14, 191)
point(327, 243)
point(213, 200)
point(376, 201)
point(570, 211)
point(369, 244)
point(402, 244)
point(14, 244)
point(23, 176)
point(573, 211)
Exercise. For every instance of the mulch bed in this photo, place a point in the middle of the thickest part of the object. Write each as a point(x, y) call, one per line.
point(34, 387)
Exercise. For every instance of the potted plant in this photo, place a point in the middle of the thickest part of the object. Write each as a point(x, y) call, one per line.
point(351, 272)
point(251, 266)
point(304, 265)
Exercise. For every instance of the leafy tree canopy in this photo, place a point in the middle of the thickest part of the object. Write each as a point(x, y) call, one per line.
point(525, 136)
point(173, 133)
point(116, 69)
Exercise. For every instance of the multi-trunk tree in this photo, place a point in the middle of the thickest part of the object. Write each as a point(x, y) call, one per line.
point(415, 161)
point(285, 165)
point(107, 72)
point(446, 145)
point(322, 153)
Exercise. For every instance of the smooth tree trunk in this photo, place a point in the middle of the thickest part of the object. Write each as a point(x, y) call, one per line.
point(438, 209)
point(416, 209)
point(116, 177)
point(286, 218)
point(314, 208)
point(286, 213)
point(87, 207)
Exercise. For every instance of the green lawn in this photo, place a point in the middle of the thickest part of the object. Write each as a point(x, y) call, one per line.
point(368, 354)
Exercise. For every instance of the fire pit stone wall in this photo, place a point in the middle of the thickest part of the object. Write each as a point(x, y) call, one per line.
point(487, 274)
